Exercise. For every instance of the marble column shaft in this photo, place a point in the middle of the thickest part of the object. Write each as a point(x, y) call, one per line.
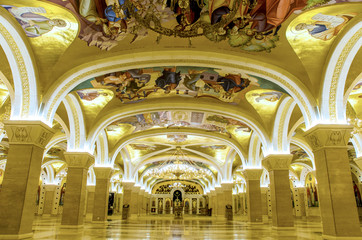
point(299, 201)
point(27, 140)
point(337, 203)
point(49, 198)
point(90, 198)
point(101, 193)
point(278, 168)
point(253, 194)
point(74, 198)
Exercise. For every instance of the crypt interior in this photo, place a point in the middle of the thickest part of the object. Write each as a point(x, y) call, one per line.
point(180, 119)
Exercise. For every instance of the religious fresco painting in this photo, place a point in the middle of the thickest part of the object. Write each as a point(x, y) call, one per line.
point(135, 85)
point(249, 25)
point(209, 122)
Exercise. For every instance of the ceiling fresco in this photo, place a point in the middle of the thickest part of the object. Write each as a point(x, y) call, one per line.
point(50, 28)
point(135, 85)
point(249, 24)
point(167, 119)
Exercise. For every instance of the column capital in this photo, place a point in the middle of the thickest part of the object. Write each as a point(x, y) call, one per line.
point(227, 186)
point(79, 159)
point(103, 172)
point(142, 192)
point(136, 189)
point(264, 189)
point(128, 185)
point(328, 135)
point(50, 187)
point(91, 188)
point(28, 132)
point(252, 174)
point(277, 162)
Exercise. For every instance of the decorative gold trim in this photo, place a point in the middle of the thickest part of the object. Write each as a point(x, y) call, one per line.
point(22, 70)
point(337, 72)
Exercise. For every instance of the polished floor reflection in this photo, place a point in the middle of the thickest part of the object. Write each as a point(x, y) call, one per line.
point(156, 227)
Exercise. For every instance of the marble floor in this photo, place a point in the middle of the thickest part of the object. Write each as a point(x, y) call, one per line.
point(165, 227)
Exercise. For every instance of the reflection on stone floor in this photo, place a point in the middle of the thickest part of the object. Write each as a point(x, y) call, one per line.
point(156, 227)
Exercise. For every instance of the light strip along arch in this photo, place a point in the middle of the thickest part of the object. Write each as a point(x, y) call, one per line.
point(187, 104)
point(299, 92)
point(163, 131)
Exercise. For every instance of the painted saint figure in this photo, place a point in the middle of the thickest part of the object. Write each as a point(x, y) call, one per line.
point(325, 27)
point(34, 24)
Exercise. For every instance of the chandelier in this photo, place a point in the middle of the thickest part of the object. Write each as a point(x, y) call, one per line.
point(179, 166)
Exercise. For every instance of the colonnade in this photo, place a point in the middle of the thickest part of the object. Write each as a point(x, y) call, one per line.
point(27, 141)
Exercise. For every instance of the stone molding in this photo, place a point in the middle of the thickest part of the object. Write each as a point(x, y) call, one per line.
point(103, 172)
point(252, 174)
point(28, 132)
point(277, 162)
point(328, 136)
point(79, 159)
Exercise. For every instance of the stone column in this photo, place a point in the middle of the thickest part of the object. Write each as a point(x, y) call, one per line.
point(264, 203)
point(253, 194)
point(101, 194)
point(141, 204)
point(90, 198)
point(337, 203)
point(27, 140)
point(219, 201)
point(74, 198)
point(299, 202)
point(278, 168)
point(224, 197)
point(49, 198)
point(135, 201)
point(242, 203)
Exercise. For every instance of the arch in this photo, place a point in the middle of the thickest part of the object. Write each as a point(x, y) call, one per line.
point(18, 51)
point(281, 124)
point(154, 105)
point(333, 109)
point(81, 73)
point(77, 136)
point(191, 131)
point(305, 146)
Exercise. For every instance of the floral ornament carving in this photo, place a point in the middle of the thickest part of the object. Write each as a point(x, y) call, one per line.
point(252, 174)
point(328, 136)
point(277, 162)
point(26, 132)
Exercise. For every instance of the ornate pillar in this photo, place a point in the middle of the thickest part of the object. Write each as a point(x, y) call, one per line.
point(49, 200)
point(224, 197)
point(90, 198)
point(74, 199)
point(127, 196)
point(337, 203)
point(27, 140)
point(253, 194)
point(278, 168)
point(101, 194)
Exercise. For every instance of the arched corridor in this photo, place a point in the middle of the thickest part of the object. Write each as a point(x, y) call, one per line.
point(186, 119)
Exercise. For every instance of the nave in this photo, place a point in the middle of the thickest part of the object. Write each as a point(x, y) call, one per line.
point(166, 227)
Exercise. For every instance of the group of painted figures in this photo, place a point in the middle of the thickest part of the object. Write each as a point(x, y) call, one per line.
point(252, 25)
point(133, 85)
